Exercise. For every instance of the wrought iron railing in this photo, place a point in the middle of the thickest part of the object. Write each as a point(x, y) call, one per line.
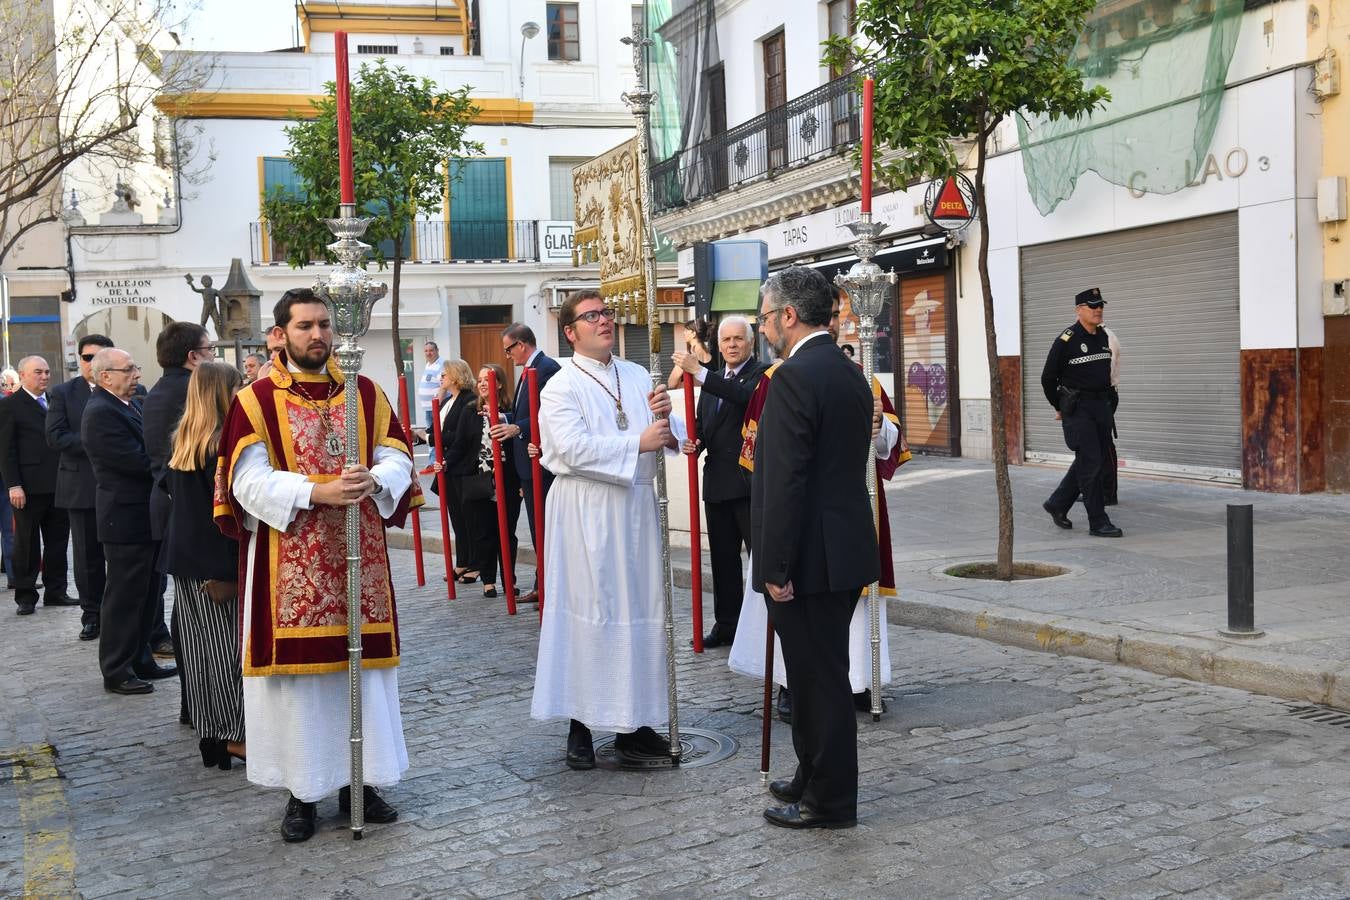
point(458, 240)
point(813, 126)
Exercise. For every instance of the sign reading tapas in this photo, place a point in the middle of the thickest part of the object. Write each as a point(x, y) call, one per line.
point(950, 203)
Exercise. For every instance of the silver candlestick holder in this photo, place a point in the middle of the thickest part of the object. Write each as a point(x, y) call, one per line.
point(868, 287)
point(350, 293)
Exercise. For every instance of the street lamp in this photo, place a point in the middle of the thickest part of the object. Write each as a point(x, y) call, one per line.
point(527, 31)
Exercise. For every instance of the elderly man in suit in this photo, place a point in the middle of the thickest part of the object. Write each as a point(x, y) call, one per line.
point(113, 437)
point(815, 544)
point(519, 344)
point(29, 468)
point(726, 484)
point(75, 483)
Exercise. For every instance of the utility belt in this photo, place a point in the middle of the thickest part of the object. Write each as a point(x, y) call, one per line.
point(1069, 398)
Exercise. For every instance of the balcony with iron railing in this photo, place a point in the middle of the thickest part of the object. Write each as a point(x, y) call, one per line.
point(456, 241)
point(816, 125)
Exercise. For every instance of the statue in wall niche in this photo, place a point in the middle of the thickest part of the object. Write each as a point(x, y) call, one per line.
point(213, 305)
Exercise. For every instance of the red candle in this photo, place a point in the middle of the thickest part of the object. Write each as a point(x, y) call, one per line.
point(867, 146)
point(344, 120)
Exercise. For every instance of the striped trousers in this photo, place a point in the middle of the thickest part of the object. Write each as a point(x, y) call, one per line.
point(209, 636)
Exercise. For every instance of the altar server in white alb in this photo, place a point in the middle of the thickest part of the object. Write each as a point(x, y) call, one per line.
point(602, 646)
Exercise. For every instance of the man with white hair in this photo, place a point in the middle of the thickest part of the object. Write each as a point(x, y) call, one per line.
point(726, 484)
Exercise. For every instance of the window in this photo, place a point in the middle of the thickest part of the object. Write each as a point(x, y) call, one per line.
point(560, 195)
point(378, 49)
point(775, 95)
point(564, 32)
point(447, 51)
point(840, 15)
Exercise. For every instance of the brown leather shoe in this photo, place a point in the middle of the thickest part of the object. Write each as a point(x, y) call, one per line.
point(531, 597)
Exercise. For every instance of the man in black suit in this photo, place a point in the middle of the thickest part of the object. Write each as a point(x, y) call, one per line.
point(29, 469)
point(726, 484)
point(113, 438)
point(75, 483)
point(519, 344)
point(815, 547)
point(178, 350)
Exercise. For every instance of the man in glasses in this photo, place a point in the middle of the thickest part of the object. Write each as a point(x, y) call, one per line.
point(75, 483)
point(602, 647)
point(114, 439)
point(41, 528)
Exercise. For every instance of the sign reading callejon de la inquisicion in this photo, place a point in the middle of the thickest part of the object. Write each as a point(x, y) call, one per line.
point(123, 292)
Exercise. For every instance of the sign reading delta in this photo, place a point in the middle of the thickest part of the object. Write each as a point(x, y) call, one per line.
point(950, 203)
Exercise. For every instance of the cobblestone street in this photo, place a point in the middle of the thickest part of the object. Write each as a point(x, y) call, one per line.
point(997, 772)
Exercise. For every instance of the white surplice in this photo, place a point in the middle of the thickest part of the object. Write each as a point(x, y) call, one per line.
point(747, 650)
point(298, 726)
point(602, 646)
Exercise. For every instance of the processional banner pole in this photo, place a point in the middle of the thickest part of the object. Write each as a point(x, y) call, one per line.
point(868, 288)
point(350, 295)
point(640, 102)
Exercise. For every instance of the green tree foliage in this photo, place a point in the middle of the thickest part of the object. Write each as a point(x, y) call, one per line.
point(405, 131)
point(947, 73)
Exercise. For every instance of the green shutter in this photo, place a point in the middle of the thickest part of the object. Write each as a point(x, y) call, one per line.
point(478, 225)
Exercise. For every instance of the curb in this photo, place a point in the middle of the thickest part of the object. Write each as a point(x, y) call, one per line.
point(1209, 660)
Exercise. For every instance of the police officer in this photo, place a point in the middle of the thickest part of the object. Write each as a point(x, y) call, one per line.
point(1077, 382)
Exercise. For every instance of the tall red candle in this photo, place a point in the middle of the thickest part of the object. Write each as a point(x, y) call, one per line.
point(866, 146)
point(344, 120)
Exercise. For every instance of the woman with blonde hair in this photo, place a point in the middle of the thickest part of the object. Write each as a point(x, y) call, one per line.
point(204, 565)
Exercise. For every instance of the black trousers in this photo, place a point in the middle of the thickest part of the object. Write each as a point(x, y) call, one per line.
point(91, 570)
point(813, 629)
point(41, 532)
point(728, 526)
point(1088, 434)
point(459, 523)
point(482, 522)
point(128, 609)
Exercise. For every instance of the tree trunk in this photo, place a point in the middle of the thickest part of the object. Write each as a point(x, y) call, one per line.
point(1002, 486)
point(393, 296)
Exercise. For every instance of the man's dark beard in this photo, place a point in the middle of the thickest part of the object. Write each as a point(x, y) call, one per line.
point(310, 360)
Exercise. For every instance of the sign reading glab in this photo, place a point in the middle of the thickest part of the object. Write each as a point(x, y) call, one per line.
point(555, 243)
point(950, 203)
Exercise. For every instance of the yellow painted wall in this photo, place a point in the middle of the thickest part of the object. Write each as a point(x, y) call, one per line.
point(1329, 29)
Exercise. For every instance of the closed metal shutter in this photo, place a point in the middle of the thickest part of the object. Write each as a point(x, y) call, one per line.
point(1172, 300)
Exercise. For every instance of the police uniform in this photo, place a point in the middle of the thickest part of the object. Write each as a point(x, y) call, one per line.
point(1077, 382)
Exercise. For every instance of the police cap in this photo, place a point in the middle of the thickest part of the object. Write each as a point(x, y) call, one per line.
point(1092, 297)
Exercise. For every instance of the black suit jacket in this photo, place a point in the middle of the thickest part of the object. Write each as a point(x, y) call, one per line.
point(112, 433)
point(163, 408)
point(461, 406)
point(811, 519)
point(25, 459)
point(520, 414)
point(719, 430)
point(75, 476)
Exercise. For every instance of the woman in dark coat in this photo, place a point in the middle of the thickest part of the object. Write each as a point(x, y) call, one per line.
point(457, 383)
point(205, 569)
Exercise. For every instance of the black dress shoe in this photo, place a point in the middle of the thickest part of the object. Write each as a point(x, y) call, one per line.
point(26, 609)
point(1107, 530)
point(580, 748)
point(132, 685)
point(862, 701)
point(60, 601)
point(89, 632)
point(784, 705)
point(153, 672)
point(1059, 518)
point(798, 815)
point(718, 638)
point(377, 808)
point(785, 790)
point(298, 823)
point(641, 746)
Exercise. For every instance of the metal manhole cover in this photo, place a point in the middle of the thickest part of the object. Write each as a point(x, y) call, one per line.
point(698, 747)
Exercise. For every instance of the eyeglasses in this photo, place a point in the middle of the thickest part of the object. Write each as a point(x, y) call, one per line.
point(125, 369)
point(88, 357)
point(594, 316)
point(763, 317)
point(209, 348)
point(511, 346)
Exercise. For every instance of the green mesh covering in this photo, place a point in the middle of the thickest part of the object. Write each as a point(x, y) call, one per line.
point(663, 77)
point(1164, 63)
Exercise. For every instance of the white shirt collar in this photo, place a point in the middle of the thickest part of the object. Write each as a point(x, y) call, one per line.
point(31, 394)
point(797, 346)
point(529, 362)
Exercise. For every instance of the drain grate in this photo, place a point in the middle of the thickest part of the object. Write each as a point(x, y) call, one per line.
point(1323, 715)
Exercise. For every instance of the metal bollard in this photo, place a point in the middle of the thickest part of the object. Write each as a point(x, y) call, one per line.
point(1241, 577)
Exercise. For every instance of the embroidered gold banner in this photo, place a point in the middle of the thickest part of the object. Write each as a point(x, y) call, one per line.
point(609, 226)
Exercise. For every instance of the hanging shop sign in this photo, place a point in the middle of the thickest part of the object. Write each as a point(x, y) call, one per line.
point(950, 203)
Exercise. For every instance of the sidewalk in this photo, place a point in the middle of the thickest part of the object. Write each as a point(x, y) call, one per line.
point(1154, 599)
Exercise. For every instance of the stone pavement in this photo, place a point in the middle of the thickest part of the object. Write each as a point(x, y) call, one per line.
point(997, 772)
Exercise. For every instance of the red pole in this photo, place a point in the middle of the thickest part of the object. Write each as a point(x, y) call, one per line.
point(344, 117)
point(416, 518)
point(499, 480)
point(447, 547)
point(537, 479)
point(867, 146)
point(696, 571)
